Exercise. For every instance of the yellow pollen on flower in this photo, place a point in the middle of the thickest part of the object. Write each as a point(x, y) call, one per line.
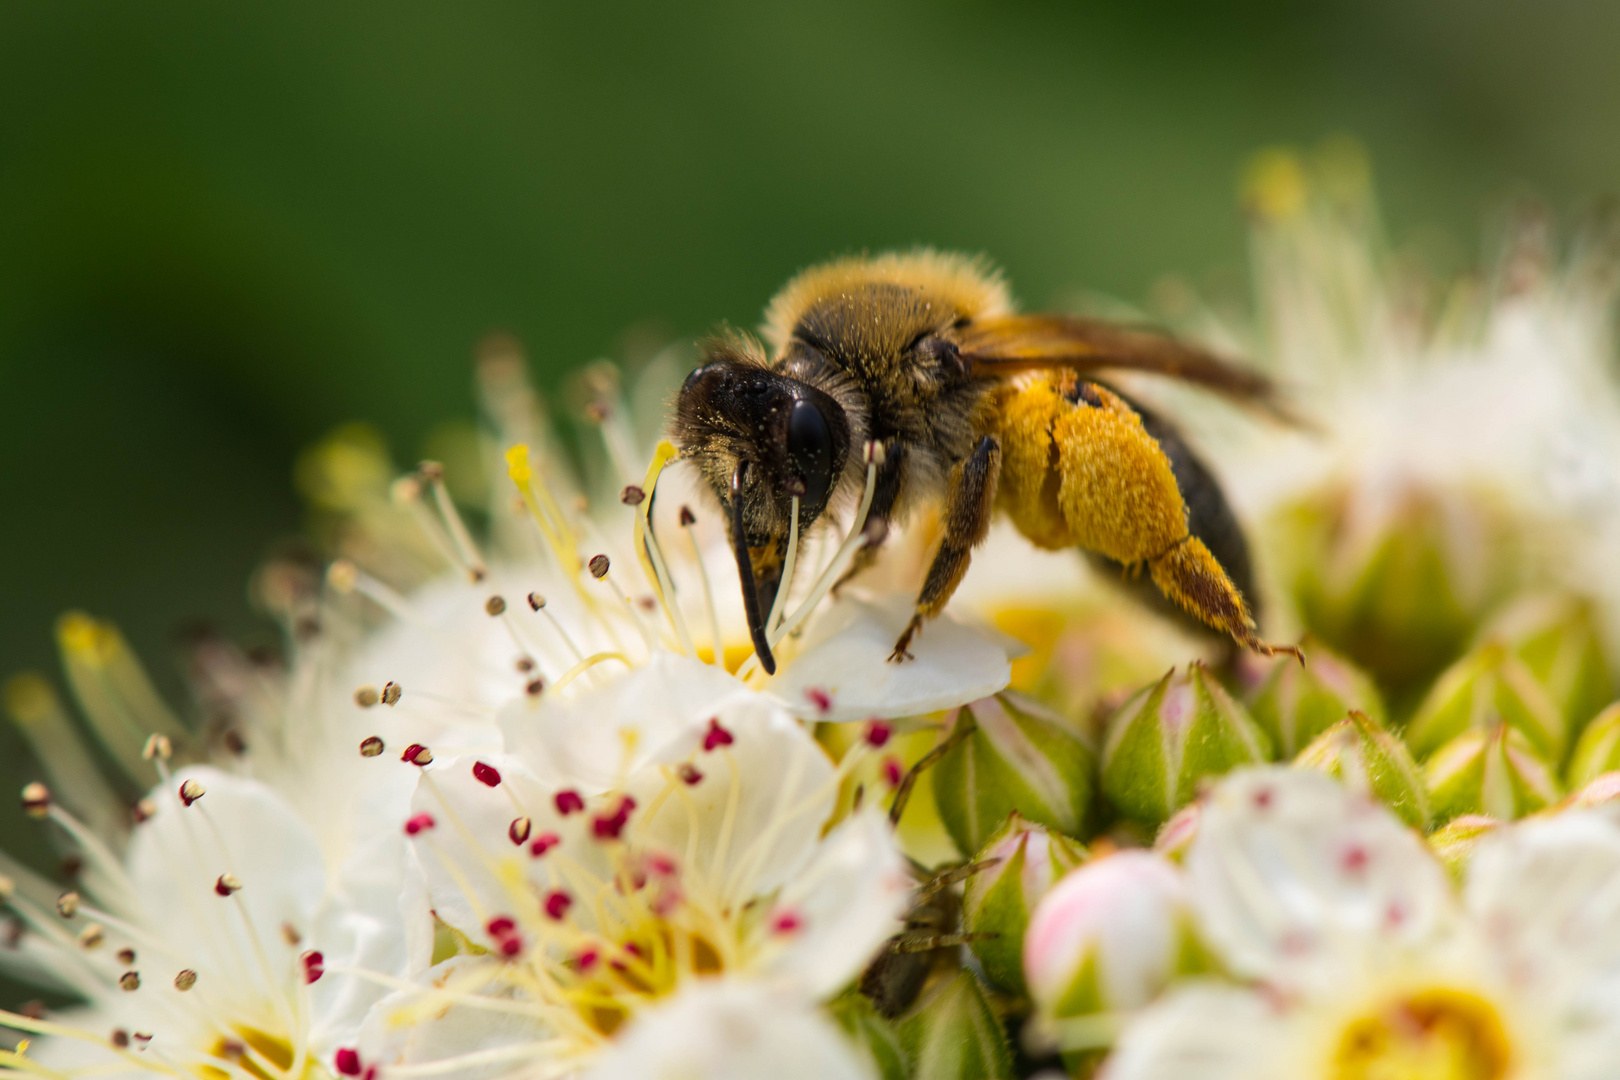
point(1438, 1033)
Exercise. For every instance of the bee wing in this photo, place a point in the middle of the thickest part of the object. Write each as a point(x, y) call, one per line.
point(1009, 344)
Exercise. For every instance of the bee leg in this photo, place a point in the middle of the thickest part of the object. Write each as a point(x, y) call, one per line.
point(965, 524)
point(1189, 575)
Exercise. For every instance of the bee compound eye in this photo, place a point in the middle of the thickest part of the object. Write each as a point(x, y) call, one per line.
point(810, 450)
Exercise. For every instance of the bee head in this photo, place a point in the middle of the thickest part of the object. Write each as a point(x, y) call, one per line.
point(760, 440)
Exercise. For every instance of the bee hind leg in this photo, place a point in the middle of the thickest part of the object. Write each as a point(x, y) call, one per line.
point(965, 524)
point(1190, 575)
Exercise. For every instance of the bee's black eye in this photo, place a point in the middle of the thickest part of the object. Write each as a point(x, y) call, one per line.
point(810, 449)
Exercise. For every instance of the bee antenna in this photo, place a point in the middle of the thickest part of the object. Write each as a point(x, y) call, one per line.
point(745, 572)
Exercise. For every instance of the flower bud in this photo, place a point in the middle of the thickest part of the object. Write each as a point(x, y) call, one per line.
point(1169, 736)
point(998, 900)
point(1396, 580)
point(1110, 936)
point(1490, 683)
point(1495, 772)
point(1297, 702)
point(873, 1034)
point(1598, 749)
point(1372, 761)
point(955, 1035)
point(1020, 757)
point(1454, 843)
point(1556, 637)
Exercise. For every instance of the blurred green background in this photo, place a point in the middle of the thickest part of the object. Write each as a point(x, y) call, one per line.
point(226, 228)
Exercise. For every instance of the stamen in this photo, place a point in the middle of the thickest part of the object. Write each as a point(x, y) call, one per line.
point(39, 715)
point(487, 775)
point(371, 746)
point(649, 551)
point(407, 492)
point(191, 791)
point(537, 604)
point(433, 473)
point(586, 664)
point(346, 578)
point(36, 800)
point(554, 529)
point(367, 696)
point(518, 831)
point(787, 568)
point(113, 690)
point(185, 980)
point(716, 646)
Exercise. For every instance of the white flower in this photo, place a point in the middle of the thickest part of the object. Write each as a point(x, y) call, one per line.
point(731, 1029)
point(1361, 960)
point(679, 843)
point(206, 946)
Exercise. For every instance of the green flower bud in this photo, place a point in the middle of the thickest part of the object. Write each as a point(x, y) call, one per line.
point(998, 900)
point(1019, 757)
point(1490, 684)
point(1297, 702)
point(1495, 772)
point(956, 1036)
point(1454, 843)
point(1371, 760)
point(1598, 749)
point(1556, 637)
point(1396, 581)
point(1110, 937)
point(873, 1034)
point(1169, 736)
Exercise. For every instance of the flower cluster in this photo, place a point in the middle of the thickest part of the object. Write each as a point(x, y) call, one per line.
point(518, 801)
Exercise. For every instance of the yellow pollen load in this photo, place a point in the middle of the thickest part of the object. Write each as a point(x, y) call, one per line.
point(1433, 1034)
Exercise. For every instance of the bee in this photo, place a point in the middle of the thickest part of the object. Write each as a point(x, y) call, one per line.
point(973, 408)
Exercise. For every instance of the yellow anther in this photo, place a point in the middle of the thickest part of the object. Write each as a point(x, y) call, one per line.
point(1274, 184)
point(517, 465)
point(82, 636)
point(29, 698)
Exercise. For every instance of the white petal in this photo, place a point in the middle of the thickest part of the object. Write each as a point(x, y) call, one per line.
point(1203, 1032)
point(1546, 893)
point(756, 815)
point(472, 869)
point(593, 738)
point(730, 1029)
point(405, 1028)
point(1294, 878)
point(241, 827)
point(845, 658)
point(844, 905)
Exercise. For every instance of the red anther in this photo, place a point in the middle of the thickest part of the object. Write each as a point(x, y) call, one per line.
point(557, 903)
point(786, 922)
point(190, 792)
point(544, 843)
point(662, 865)
point(511, 945)
point(892, 772)
point(347, 1061)
point(226, 884)
point(587, 959)
point(518, 831)
point(486, 774)
point(688, 773)
point(314, 965)
point(878, 732)
point(716, 735)
point(605, 827)
point(417, 822)
point(412, 752)
point(371, 1073)
point(569, 801)
point(500, 926)
point(819, 698)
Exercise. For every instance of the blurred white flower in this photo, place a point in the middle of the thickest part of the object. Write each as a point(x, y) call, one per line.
point(1361, 961)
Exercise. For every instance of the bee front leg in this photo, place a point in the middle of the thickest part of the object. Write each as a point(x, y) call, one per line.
point(965, 524)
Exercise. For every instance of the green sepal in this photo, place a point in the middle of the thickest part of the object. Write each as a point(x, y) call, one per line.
point(1368, 759)
point(998, 900)
point(1297, 702)
point(872, 1033)
point(955, 1035)
point(1496, 773)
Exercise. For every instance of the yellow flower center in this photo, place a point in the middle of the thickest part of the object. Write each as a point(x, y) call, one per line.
point(1435, 1034)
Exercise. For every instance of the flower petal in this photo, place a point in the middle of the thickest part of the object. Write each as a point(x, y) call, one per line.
point(1297, 881)
point(1546, 893)
point(730, 1029)
point(1202, 1032)
point(756, 814)
point(841, 908)
point(842, 671)
point(655, 713)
